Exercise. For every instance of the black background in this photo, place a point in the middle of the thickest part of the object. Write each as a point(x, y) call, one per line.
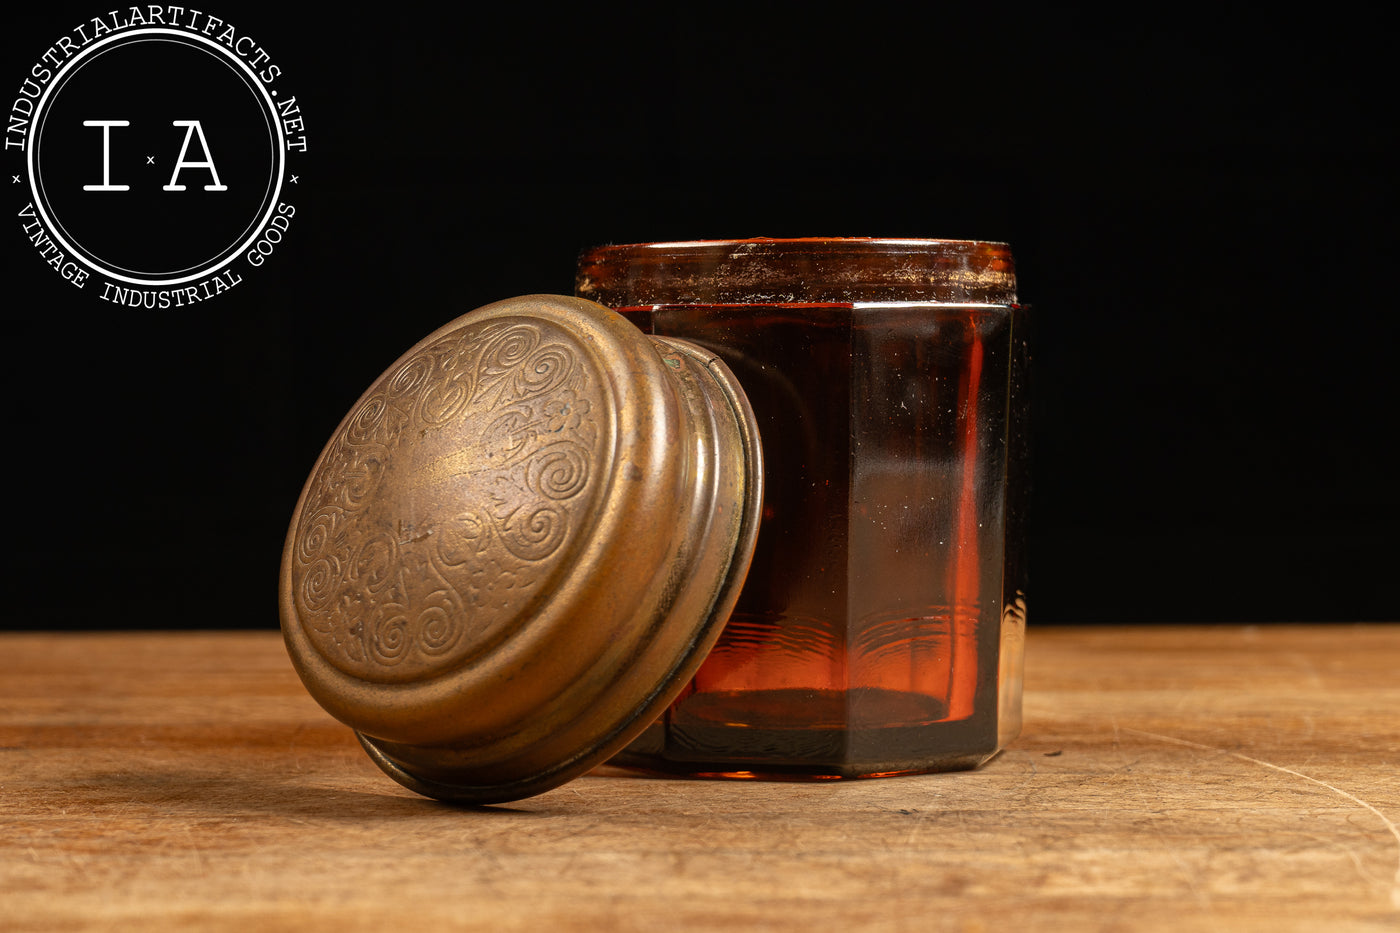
point(1200, 212)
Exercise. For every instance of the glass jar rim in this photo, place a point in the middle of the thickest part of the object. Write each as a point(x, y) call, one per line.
point(789, 241)
point(777, 270)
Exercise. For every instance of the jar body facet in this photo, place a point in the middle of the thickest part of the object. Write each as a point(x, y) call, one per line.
point(881, 626)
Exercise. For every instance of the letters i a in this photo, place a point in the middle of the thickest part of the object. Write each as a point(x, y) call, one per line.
point(192, 128)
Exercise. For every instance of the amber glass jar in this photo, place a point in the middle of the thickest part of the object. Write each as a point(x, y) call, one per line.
point(881, 626)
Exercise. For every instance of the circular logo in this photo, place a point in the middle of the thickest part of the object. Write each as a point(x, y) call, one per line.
point(157, 155)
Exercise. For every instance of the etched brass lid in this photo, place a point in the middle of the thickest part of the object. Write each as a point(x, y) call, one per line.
point(519, 545)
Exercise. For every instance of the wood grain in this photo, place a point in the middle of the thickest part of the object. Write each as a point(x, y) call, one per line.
point(1213, 778)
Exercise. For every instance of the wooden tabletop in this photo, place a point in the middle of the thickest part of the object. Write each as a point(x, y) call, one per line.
point(1215, 778)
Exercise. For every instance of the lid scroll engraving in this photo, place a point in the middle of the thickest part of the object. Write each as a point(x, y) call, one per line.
point(444, 501)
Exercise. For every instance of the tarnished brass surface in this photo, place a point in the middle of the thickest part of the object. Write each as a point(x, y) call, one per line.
point(519, 544)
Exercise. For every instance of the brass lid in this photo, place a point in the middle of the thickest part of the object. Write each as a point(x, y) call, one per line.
point(520, 544)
